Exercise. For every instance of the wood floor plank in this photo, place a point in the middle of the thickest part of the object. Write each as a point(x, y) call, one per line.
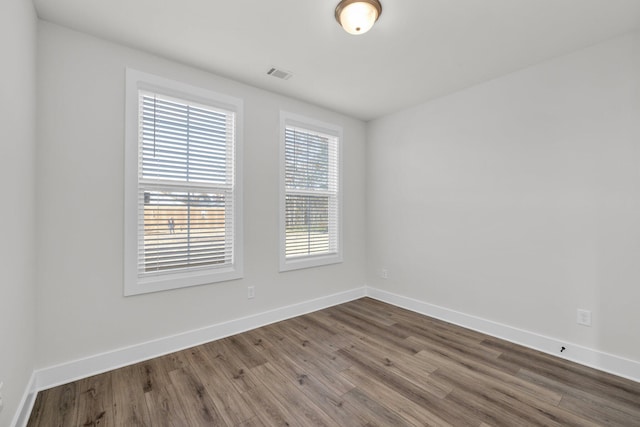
point(56, 408)
point(372, 316)
point(603, 410)
point(253, 422)
point(270, 410)
point(600, 383)
point(199, 409)
point(258, 339)
point(315, 365)
point(231, 368)
point(350, 316)
point(376, 413)
point(316, 344)
point(309, 327)
point(491, 411)
point(164, 405)
point(485, 374)
point(322, 355)
point(496, 402)
point(304, 410)
point(129, 405)
point(601, 413)
point(241, 350)
point(404, 366)
point(414, 414)
point(362, 363)
point(315, 385)
point(359, 327)
point(229, 404)
point(438, 344)
point(453, 415)
point(95, 401)
point(381, 344)
point(400, 315)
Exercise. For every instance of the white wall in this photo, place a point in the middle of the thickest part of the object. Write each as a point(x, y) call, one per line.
point(80, 190)
point(17, 220)
point(518, 200)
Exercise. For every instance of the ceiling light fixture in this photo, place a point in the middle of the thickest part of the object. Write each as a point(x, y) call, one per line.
point(358, 16)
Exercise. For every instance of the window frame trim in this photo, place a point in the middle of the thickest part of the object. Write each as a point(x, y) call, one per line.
point(308, 261)
point(133, 285)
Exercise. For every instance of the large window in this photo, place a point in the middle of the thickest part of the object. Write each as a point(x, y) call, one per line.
point(182, 224)
point(310, 193)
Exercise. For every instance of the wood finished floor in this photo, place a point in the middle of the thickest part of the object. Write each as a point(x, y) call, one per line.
point(363, 363)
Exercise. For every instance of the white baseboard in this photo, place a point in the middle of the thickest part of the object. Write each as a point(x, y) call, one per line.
point(585, 356)
point(21, 416)
point(99, 363)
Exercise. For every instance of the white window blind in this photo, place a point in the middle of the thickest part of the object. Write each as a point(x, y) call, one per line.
point(311, 181)
point(183, 185)
point(185, 191)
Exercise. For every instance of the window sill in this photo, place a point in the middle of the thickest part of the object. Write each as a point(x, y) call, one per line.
point(309, 262)
point(166, 282)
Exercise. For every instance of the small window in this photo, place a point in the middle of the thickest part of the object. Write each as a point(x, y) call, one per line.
point(182, 222)
point(310, 193)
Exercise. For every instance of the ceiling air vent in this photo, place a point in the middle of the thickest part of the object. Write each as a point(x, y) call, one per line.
point(281, 74)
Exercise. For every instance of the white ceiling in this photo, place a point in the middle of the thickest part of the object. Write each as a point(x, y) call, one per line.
point(418, 50)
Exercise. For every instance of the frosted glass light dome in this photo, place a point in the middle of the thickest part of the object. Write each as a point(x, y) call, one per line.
point(358, 16)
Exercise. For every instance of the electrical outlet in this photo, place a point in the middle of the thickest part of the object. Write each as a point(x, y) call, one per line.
point(384, 273)
point(251, 292)
point(584, 317)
